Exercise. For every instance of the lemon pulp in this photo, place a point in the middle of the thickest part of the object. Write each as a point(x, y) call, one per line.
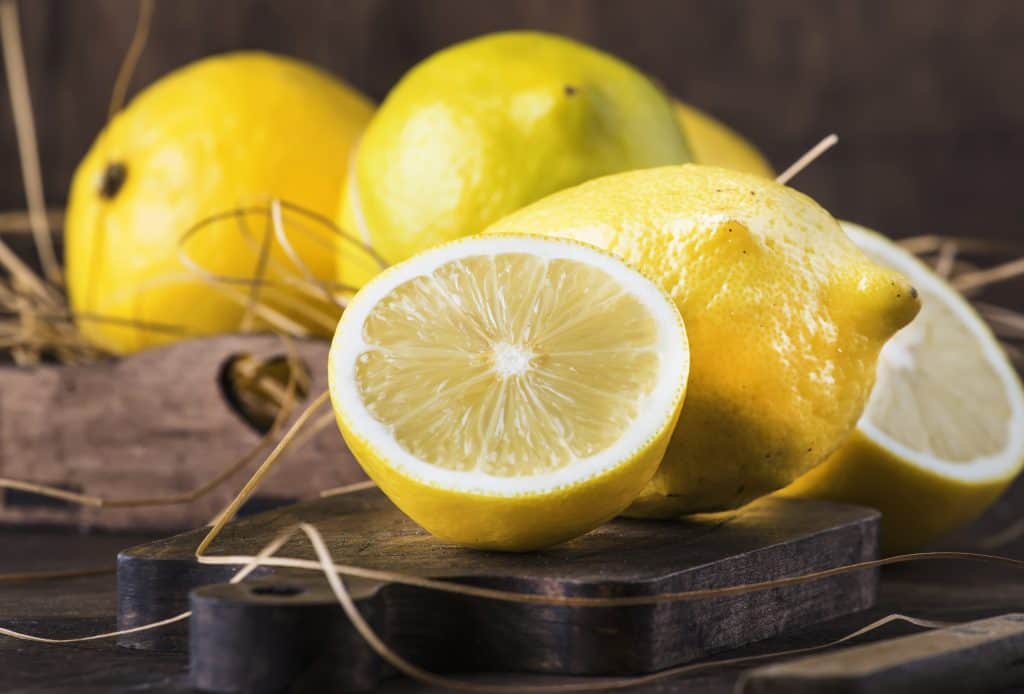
point(523, 384)
point(509, 392)
point(936, 392)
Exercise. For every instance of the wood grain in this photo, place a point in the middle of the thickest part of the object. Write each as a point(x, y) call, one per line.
point(235, 626)
point(154, 424)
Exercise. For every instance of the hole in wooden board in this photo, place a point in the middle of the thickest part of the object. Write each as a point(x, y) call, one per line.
point(278, 590)
point(255, 388)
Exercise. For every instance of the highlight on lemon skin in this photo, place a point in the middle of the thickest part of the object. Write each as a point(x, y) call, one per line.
point(785, 318)
point(482, 386)
point(942, 435)
point(226, 132)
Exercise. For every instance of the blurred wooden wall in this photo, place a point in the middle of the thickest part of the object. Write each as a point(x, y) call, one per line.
point(926, 94)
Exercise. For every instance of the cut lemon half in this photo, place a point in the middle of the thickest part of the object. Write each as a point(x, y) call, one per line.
point(942, 434)
point(509, 392)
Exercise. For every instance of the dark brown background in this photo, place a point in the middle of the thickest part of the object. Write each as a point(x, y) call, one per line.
point(926, 95)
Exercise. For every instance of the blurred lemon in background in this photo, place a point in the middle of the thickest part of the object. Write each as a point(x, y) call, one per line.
point(228, 131)
point(486, 126)
point(785, 318)
point(716, 144)
point(943, 432)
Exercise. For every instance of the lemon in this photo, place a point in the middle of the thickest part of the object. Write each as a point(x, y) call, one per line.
point(486, 126)
point(943, 432)
point(785, 318)
point(480, 386)
point(716, 144)
point(229, 131)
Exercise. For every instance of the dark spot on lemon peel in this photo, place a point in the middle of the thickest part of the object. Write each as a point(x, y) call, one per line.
point(113, 179)
point(913, 292)
point(570, 90)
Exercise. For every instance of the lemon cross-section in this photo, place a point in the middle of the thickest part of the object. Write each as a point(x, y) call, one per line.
point(509, 392)
point(942, 435)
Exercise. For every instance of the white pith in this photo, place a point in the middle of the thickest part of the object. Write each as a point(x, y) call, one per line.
point(896, 362)
point(657, 410)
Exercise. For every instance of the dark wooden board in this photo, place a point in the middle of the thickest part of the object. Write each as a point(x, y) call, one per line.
point(959, 591)
point(236, 626)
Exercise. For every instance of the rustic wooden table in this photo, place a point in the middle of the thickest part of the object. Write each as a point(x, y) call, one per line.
point(935, 590)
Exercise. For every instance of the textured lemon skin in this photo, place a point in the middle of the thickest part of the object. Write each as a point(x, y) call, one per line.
point(785, 318)
point(715, 144)
point(517, 523)
point(486, 126)
point(917, 505)
point(227, 131)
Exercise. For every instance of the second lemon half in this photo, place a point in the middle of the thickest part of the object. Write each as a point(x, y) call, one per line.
point(482, 386)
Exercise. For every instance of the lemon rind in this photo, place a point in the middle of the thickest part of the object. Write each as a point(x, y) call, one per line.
point(983, 468)
point(672, 346)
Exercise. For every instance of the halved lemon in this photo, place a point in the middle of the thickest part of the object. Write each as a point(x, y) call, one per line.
point(509, 392)
point(942, 434)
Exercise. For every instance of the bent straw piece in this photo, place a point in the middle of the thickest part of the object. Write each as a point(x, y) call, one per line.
point(1004, 321)
point(51, 492)
point(807, 159)
point(930, 243)
point(348, 488)
point(277, 224)
point(424, 676)
point(25, 130)
point(21, 273)
point(273, 317)
point(603, 602)
point(19, 220)
point(259, 277)
point(946, 262)
point(266, 466)
point(22, 636)
point(131, 58)
point(337, 231)
point(980, 279)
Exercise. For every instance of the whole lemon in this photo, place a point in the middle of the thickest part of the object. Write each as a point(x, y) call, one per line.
point(484, 127)
point(716, 144)
point(225, 132)
point(784, 314)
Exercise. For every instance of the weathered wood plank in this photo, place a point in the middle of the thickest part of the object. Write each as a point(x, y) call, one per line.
point(982, 656)
point(154, 424)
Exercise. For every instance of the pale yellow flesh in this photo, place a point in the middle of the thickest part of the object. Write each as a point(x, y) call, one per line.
point(509, 365)
point(937, 393)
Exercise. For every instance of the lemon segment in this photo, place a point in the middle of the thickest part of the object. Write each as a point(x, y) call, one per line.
point(509, 393)
point(942, 434)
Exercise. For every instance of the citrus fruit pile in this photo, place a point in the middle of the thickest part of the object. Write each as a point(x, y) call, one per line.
point(220, 134)
point(599, 301)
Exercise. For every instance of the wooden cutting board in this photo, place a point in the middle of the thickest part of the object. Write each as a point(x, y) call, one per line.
point(283, 629)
